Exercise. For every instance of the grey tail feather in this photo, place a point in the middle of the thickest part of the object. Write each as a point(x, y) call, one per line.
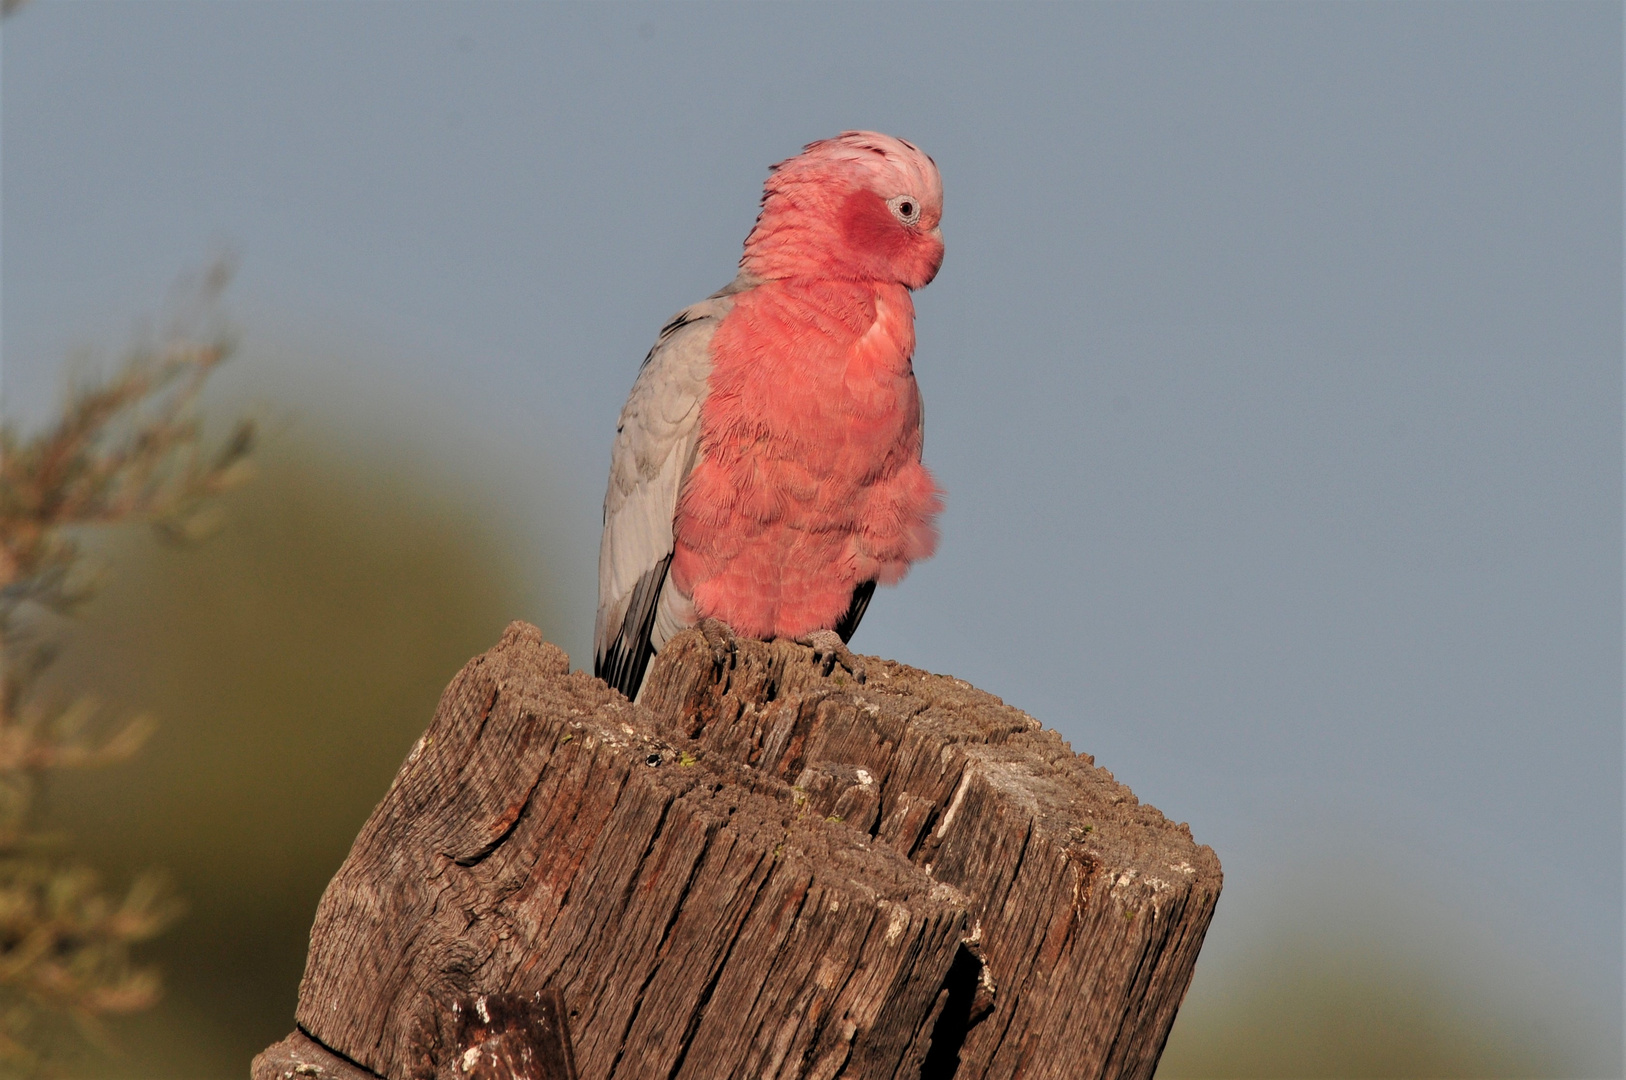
point(855, 610)
point(622, 665)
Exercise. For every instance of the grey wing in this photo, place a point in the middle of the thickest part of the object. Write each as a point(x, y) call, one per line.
point(656, 444)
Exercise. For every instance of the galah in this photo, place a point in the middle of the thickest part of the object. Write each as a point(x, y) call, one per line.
point(766, 473)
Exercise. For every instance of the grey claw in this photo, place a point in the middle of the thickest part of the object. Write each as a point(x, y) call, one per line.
point(720, 637)
point(829, 649)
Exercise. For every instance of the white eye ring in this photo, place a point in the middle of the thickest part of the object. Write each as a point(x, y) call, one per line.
point(906, 208)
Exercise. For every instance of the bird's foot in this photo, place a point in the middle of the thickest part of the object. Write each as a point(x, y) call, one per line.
point(720, 638)
point(827, 644)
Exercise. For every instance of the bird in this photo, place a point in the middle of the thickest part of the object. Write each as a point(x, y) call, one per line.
point(766, 472)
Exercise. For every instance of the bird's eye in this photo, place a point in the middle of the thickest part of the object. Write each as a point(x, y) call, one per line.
point(905, 208)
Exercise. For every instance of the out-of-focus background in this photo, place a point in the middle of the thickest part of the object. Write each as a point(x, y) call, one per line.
point(1274, 377)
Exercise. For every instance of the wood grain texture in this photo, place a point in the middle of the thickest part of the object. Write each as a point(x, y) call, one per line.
point(758, 871)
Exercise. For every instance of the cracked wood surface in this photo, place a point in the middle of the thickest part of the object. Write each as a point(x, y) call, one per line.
point(757, 871)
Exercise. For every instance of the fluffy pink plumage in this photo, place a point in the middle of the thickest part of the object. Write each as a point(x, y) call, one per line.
point(766, 469)
point(809, 480)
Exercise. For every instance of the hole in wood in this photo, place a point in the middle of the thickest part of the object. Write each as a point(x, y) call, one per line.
point(963, 1010)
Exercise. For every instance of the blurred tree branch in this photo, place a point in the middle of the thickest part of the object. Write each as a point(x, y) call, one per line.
point(125, 449)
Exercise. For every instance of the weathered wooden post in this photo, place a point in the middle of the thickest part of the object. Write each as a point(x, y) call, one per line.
point(759, 871)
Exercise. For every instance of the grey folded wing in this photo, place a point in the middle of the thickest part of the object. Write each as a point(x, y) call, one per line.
point(656, 446)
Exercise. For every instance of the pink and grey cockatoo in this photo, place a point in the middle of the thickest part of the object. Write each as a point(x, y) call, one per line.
point(766, 472)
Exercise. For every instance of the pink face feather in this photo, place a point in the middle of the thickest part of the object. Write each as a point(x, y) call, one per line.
point(809, 481)
point(831, 212)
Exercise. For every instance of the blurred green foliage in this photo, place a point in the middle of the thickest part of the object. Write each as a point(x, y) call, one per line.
point(293, 660)
point(1369, 985)
point(124, 449)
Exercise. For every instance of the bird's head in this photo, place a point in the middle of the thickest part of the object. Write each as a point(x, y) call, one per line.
point(862, 206)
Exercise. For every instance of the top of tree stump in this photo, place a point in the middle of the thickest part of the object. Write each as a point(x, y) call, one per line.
point(758, 870)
